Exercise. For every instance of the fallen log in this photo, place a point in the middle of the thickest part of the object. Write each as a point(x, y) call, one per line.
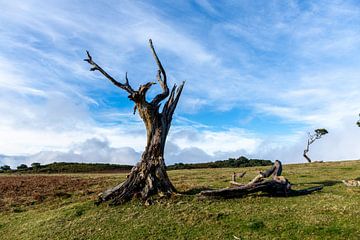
point(270, 186)
point(277, 186)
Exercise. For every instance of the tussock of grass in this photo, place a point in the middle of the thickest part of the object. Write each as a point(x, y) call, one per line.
point(332, 213)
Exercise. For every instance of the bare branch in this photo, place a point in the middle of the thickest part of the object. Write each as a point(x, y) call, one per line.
point(171, 103)
point(126, 79)
point(161, 77)
point(95, 67)
point(177, 97)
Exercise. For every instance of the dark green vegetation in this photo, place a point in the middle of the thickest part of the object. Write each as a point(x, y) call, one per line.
point(22, 167)
point(62, 207)
point(70, 167)
point(231, 162)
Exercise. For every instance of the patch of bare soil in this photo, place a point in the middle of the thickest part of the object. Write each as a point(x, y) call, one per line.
point(23, 190)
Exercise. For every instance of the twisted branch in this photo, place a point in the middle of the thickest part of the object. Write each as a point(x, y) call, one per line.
point(161, 77)
point(173, 100)
point(95, 67)
point(139, 95)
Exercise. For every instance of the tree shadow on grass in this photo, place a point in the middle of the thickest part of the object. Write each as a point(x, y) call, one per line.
point(326, 183)
point(194, 191)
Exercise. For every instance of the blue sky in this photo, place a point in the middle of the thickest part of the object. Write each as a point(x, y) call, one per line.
point(259, 76)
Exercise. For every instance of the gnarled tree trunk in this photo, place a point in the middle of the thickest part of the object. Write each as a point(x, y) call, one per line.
point(149, 176)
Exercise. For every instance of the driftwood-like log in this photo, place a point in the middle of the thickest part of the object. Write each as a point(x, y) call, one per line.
point(277, 186)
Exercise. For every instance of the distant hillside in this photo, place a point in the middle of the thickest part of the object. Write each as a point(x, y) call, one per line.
point(71, 167)
point(231, 162)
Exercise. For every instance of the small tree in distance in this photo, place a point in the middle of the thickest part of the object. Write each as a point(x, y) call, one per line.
point(312, 137)
point(358, 122)
point(22, 167)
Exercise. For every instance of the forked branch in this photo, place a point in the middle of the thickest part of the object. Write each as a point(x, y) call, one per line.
point(139, 95)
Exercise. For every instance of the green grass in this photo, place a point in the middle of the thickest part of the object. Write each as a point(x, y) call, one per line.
point(332, 213)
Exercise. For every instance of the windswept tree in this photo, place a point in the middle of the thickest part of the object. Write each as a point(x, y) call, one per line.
point(149, 176)
point(311, 139)
point(22, 167)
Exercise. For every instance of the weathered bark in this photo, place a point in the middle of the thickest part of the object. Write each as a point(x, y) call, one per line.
point(149, 176)
point(278, 186)
point(271, 186)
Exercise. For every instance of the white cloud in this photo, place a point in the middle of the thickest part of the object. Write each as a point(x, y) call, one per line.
point(300, 65)
point(92, 150)
point(341, 143)
point(211, 141)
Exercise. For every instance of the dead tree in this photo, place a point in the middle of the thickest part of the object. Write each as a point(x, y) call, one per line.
point(149, 176)
point(277, 186)
point(311, 138)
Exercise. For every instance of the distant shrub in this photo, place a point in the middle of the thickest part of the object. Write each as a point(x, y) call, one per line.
point(35, 165)
point(231, 162)
point(22, 167)
point(73, 167)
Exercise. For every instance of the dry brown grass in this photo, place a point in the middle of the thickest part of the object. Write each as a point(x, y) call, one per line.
point(24, 190)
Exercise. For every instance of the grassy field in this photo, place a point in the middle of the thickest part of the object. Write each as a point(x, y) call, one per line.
point(61, 207)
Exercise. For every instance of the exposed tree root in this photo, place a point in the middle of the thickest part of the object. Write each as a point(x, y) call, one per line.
point(144, 181)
